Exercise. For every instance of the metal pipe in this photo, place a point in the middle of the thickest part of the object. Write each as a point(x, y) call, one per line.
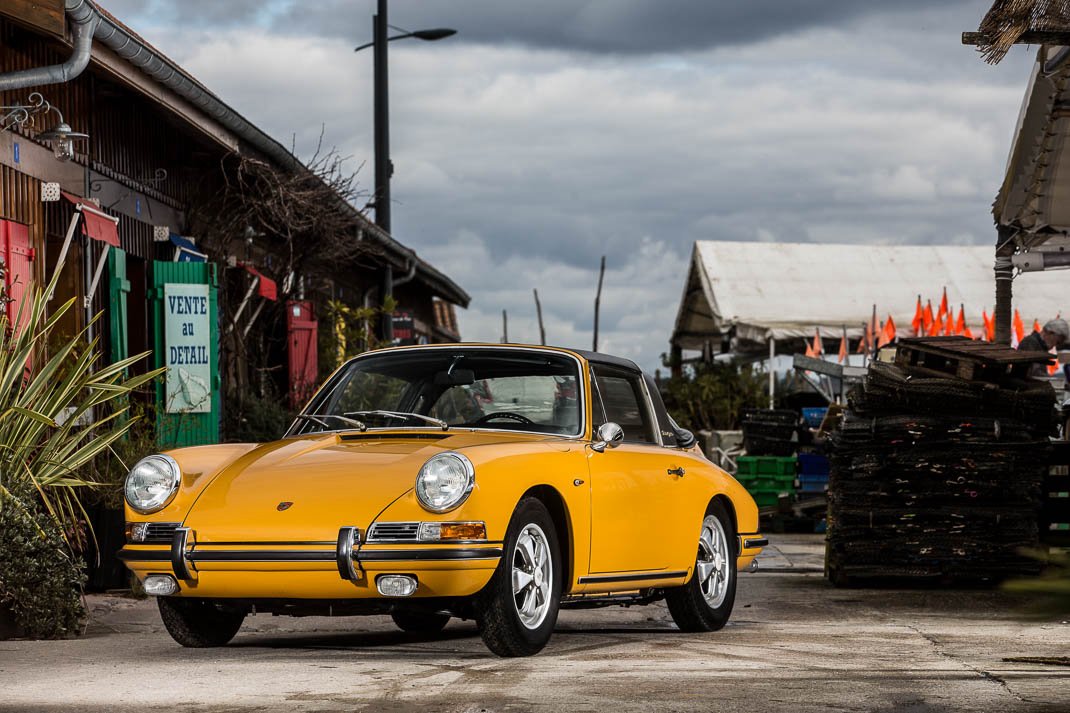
point(84, 23)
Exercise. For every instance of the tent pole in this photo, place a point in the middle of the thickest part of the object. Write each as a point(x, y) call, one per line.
point(772, 375)
point(1004, 274)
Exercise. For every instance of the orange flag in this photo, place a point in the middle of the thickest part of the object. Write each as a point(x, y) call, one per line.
point(1019, 329)
point(968, 333)
point(863, 343)
point(927, 318)
point(1036, 326)
point(943, 306)
point(810, 350)
point(936, 327)
point(843, 349)
point(1053, 368)
point(949, 325)
point(990, 326)
point(887, 333)
point(960, 324)
point(818, 348)
point(919, 317)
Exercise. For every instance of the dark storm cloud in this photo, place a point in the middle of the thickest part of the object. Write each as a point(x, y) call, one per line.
point(595, 26)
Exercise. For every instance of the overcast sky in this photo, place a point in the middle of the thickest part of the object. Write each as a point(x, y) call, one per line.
point(547, 134)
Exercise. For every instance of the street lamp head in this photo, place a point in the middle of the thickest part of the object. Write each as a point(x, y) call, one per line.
point(438, 33)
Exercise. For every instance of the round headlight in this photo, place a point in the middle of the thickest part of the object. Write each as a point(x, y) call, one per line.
point(444, 482)
point(152, 483)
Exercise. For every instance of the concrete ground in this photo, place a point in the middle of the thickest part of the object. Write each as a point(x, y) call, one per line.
point(794, 644)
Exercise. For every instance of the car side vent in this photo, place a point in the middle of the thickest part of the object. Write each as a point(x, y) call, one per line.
point(161, 531)
point(394, 532)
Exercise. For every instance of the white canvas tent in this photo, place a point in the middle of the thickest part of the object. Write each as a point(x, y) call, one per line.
point(751, 292)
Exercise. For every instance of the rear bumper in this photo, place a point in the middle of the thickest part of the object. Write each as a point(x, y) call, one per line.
point(313, 570)
point(750, 546)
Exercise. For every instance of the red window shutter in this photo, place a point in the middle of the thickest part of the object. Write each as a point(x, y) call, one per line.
point(17, 254)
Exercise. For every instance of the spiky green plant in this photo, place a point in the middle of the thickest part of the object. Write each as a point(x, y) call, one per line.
point(60, 414)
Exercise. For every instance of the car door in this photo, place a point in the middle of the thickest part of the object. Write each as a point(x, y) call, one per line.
point(632, 492)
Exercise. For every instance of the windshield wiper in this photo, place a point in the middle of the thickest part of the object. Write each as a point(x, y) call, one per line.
point(318, 418)
point(402, 414)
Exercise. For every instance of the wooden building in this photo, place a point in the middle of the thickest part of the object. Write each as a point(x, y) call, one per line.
point(122, 208)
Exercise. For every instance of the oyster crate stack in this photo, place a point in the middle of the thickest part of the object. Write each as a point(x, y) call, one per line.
point(936, 469)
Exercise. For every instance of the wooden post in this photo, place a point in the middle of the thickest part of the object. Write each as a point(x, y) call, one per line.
point(772, 375)
point(598, 301)
point(538, 311)
point(505, 327)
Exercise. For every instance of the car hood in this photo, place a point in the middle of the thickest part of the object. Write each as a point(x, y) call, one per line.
point(302, 490)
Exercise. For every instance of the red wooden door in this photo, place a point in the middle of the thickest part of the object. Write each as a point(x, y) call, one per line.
point(302, 347)
point(17, 255)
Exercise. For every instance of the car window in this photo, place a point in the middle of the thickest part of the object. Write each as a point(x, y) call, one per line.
point(365, 391)
point(546, 401)
point(625, 404)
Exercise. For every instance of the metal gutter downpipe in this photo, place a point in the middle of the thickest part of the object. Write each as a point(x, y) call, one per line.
point(84, 23)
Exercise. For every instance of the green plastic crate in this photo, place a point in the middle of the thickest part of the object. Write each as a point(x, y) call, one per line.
point(750, 466)
point(771, 483)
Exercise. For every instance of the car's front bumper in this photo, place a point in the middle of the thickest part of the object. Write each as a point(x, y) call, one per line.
point(313, 570)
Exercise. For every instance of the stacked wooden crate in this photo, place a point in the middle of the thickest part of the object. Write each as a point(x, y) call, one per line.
point(938, 465)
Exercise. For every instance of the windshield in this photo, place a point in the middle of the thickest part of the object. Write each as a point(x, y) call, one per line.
point(500, 389)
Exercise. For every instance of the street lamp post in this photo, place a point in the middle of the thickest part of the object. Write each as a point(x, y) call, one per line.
point(384, 168)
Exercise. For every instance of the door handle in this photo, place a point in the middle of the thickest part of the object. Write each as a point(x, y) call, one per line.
point(676, 471)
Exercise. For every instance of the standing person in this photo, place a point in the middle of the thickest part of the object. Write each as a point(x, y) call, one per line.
point(1054, 335)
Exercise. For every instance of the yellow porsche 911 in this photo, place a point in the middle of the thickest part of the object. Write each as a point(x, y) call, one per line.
point(497, 483)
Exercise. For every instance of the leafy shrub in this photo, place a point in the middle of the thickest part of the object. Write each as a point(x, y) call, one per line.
point(712, 396)
point(40, 581)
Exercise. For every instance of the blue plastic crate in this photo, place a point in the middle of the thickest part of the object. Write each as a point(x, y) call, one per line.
point(812, 483)
point(813, 464)
point(814, 416)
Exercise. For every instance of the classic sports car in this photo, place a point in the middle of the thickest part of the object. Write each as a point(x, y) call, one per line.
point(490, 482)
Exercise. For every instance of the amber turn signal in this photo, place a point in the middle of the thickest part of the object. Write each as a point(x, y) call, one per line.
point(452, 531)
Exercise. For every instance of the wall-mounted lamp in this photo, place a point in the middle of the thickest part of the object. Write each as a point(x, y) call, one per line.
point(61, 137)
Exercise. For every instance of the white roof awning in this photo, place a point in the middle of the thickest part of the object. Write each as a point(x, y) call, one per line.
point(753, 291)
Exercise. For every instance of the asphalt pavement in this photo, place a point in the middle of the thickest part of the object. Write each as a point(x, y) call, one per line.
point(794, 644)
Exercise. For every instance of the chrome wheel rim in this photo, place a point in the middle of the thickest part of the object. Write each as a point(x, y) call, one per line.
point(714, 561)
point(533, 572)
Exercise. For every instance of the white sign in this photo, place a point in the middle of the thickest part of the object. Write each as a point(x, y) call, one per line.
point(188, 340)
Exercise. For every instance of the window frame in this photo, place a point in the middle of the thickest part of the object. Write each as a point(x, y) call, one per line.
point(645, 402)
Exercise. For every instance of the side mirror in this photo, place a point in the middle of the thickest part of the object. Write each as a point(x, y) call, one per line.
point(609, 435)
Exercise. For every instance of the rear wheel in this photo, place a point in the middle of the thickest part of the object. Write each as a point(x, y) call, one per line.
point(518, 608)
point(705, 603)
point(416, 622)
point(198, 624)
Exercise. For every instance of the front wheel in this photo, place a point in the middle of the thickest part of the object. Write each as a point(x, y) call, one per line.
point(705, 602)
point(518, 608)
point(198, 624)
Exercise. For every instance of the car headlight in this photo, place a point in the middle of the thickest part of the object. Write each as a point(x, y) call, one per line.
point(445, 481)
point(152, 483)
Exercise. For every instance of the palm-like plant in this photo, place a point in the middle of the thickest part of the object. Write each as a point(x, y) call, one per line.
point(60, 415)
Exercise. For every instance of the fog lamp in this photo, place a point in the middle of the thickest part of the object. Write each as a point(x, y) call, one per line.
point(160, 585)
point(395, 585)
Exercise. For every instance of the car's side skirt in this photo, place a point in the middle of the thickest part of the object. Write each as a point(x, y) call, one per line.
point(641, 577)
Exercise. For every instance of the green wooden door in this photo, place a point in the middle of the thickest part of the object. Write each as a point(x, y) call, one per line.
point(180, 319)
point(118, 288)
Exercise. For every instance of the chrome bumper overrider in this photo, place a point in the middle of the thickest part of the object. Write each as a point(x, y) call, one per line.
point(184, 554)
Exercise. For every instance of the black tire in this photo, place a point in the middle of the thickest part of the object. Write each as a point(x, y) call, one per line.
point(688, 604)
point(418, 622)
point(501, 625)
point(199, 624)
